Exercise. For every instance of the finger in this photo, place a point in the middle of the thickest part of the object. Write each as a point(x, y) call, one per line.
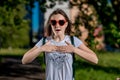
point(67, 43)
point(47, 43)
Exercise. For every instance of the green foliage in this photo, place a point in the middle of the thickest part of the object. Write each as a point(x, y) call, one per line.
point(12, 52)
point(107, 13)
point(87, 18)
point(109, 17)
point(114, 33)
point(13, 27)
point(106, 69)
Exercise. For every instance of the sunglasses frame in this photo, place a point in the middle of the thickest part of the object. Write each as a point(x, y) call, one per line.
point(58, 22)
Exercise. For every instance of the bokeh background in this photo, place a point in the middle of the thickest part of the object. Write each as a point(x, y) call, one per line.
point(95, 22)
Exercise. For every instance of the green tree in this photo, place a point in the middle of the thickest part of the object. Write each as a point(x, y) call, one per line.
point(13, 27)
point(88, 18)
point(108, 11)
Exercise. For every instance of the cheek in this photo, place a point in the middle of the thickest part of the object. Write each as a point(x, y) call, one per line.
point(65, 26)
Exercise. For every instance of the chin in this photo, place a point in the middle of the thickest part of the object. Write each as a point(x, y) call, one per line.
point(58, 33)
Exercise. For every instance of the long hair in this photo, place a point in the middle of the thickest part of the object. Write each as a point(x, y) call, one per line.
point(48, 29)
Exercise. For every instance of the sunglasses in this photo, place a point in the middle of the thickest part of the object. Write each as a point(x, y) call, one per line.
point(60, 22)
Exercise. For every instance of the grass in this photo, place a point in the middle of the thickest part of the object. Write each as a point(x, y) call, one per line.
point(12, 52)
point(108, 67)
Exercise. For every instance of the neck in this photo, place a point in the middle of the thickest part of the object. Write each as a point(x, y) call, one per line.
point(58, 38)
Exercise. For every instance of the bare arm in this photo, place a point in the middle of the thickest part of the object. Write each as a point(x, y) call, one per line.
point(83, 51)
point(86, 53)
point(31, 54)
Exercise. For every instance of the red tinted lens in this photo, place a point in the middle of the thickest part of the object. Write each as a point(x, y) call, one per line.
point(53, 22)
point(61, 22)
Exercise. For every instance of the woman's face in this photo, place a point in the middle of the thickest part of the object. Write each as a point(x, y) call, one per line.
point(58, 24)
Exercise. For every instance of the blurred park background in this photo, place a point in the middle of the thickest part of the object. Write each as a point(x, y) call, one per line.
point(95, 22)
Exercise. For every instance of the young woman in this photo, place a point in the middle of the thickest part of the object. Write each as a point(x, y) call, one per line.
point(58, 48)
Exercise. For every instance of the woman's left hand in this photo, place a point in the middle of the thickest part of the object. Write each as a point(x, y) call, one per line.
point(68, 48)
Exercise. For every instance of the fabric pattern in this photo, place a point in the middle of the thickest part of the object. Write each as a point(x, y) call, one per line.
point(59, 65)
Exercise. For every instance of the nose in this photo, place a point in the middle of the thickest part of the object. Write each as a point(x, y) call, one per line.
point(57, 25)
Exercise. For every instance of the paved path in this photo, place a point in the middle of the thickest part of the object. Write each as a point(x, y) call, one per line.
point(12, 69)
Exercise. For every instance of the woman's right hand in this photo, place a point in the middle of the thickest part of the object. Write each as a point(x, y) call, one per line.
point(48, 47)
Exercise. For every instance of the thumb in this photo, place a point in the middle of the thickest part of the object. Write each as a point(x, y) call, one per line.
point(67, 43)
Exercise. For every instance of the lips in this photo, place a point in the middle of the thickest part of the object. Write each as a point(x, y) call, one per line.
point(57, 30)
